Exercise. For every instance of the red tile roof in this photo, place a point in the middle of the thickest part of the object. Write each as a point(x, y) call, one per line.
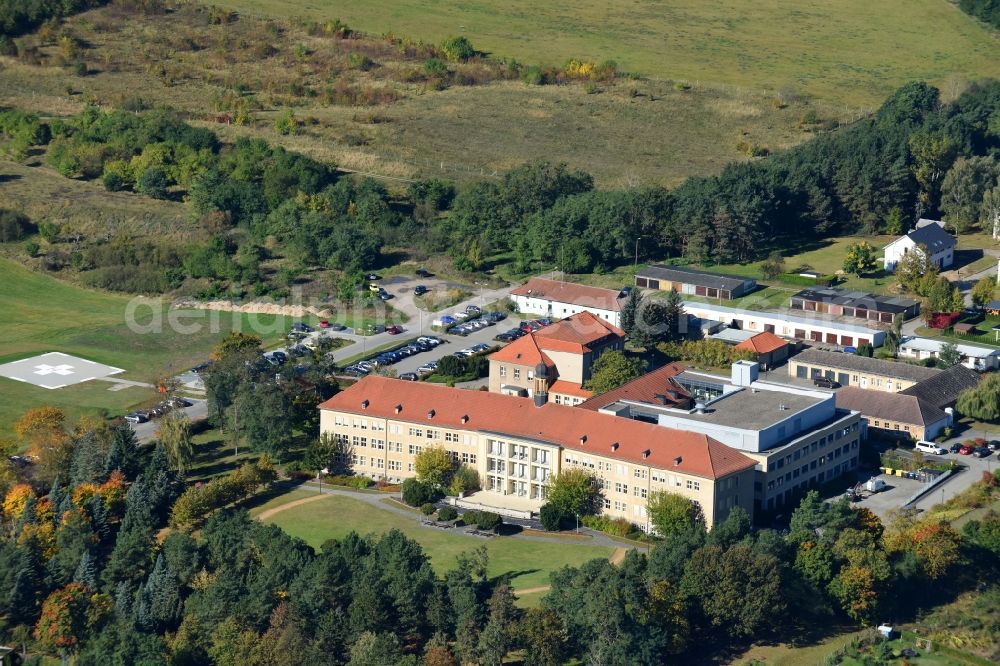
point(646, 388)
point(763, 343)
point(570, 292)
point(523, 351)
point(576, 334)
point(570, 427)
point(569, 388)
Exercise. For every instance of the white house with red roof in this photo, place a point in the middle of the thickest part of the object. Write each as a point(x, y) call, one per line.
point(558, 300)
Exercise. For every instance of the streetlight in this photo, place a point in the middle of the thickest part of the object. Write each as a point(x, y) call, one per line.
point(577, 523)
point(319, 477)
point(636, 263)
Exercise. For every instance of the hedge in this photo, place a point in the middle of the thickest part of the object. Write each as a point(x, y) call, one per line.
point(447, 513)
point(484, 520)
point(198, 501)
point(418, 493)
point(427, 509)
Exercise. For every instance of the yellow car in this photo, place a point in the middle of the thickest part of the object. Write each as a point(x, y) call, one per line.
point(374, 287)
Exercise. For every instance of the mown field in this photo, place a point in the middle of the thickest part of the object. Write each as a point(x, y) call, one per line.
point(849, 52)
point(528, 563)
point(41, 313)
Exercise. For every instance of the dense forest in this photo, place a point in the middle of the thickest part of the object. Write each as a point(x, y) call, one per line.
point(89, 568)
point(20, 16)
point(255, 203)
point(984, 10)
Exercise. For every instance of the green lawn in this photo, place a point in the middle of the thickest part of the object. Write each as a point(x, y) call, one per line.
point(41, 313)
point(527, 562)
point(851, 52)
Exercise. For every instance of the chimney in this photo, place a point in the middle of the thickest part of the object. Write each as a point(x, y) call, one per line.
point(677, 461)
point(645, 454)
point(399, 408)
point(364, 404)
point(465, 418)
point(430, 414)
point(614, 447)
point(583, 439)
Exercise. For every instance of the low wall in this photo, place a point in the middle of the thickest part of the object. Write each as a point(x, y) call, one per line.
point(928, 488)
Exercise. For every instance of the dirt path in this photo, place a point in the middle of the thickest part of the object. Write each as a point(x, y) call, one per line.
point(617, 556)
point(264, 515)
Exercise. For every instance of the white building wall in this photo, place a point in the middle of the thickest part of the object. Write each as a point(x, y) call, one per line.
point(558, 310)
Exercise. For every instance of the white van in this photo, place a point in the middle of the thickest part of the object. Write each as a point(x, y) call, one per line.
point(930, 447)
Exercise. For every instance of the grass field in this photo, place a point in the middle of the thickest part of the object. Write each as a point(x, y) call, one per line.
point(41, 313)
point(850, 52)
point(626, 132)
point(528, 563)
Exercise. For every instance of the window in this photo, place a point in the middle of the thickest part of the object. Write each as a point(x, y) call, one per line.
point(451, 437)
point(416, 432)
point(414, 449)
point(517, 373)
point(503, 370)
point(693, 485)
point(433, 434)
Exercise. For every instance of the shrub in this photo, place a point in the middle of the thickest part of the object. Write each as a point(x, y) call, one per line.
point(465, 479)
point(488, 521)
point(427, 509)
point(614, 526)
point(153, 183)
point(447, 513)
point(458, 48)
point(552, 517)
point(14, 226)
point(533, 75)
point(435, 67)
point(360, 61)
point(417, 493)
point(32, 248)
point(197, 501)
point(286, 123)
point(470, 517)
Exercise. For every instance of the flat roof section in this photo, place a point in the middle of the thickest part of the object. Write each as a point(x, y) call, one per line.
point(748, 409)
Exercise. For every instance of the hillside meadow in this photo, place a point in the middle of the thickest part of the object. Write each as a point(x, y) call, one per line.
point(384, 115)
point(848, 52)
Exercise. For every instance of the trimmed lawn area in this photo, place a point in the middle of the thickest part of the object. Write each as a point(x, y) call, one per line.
point(527, 562)
point(44, 314)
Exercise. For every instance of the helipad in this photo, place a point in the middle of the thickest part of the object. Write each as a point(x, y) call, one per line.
point(55, 370)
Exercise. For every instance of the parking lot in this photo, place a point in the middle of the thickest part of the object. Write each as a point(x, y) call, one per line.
point(452, 343)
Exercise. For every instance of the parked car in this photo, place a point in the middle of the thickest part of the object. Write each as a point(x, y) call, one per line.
point(394, 330)
point(930, 447)
point(993, 445)
point(337, 326)
point(280, 355)
point(384, 295)
point(409, 376)
point(180, 402)
point(429, 339)
point(826, 382)
point(503, 337)
point(374, 287)
point(419, 290)
point(495, 316)
point(626, 292)
point(473, 309)
point(422, 272)
point(372, 276)
point(301, 327)
point(480, 347)
point(427, 368)
point(323, 323)
point(982, 452)
point(955, 448)
point(201, 367)
point(136, 417)
point(965, 450)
